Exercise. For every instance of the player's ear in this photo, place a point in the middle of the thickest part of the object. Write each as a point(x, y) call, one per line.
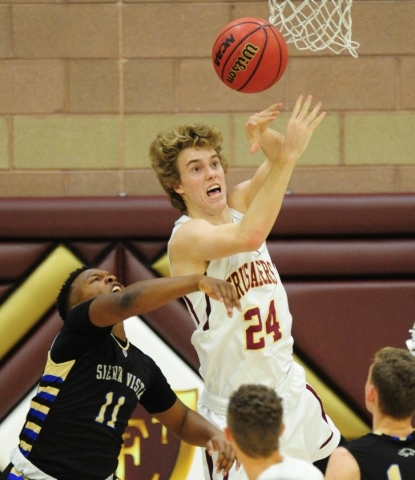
point(282, 429)
point(370, 393)
point(178, 189)
point(228, 434)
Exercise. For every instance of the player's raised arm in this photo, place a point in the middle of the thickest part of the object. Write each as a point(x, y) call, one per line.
point(148, 295)
point(259, 200)
point(283, 150)
point(113, 303)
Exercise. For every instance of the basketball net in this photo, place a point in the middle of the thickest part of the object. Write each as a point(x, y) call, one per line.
point(315, 24)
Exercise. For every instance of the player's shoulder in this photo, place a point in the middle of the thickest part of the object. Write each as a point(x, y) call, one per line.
point(342, 465)
point(189, 230)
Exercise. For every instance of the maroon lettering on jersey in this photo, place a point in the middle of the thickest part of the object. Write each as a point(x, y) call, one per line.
point(252, 275)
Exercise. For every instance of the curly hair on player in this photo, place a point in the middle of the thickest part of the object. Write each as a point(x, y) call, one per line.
point(166, 147)
point(255, 419)
point(62, 300)
point(393, 375)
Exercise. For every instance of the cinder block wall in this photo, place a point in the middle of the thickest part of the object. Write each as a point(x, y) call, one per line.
point(85, 86)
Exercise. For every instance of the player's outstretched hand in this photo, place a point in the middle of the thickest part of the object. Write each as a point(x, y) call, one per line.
point(222, 291)
point(300, 128)
point(258, 133)
point(226, 454)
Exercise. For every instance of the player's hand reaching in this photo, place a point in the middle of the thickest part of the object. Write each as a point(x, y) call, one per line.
point(226, 454)
point(261, 136)
point(222, 291)
point(300, 128)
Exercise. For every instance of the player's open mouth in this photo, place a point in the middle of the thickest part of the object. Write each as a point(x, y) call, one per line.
point(213, 190)
point(115, 288)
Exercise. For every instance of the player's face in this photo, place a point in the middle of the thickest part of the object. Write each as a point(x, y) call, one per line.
point(202, 180)
point(92, 283)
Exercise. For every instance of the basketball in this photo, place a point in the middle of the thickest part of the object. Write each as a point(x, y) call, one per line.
point(249, 55)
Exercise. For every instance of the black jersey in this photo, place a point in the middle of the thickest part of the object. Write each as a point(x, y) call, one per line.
point(381, 457)
point(88, 391)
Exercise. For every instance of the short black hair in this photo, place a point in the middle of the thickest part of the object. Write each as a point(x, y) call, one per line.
point(62, 300)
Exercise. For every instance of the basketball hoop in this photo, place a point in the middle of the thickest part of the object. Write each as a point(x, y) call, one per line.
point(315, 24)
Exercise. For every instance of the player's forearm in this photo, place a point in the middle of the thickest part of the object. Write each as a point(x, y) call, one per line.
point(196, 430)
point(144, 296)
point(271, 144)
point(139, 298)
point(266, 205)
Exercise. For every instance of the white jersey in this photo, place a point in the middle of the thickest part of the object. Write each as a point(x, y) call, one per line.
point(291, 469)
point(255, 346)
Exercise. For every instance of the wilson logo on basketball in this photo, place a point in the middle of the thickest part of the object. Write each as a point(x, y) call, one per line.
point(249, 55)
point(222, 49)
point(241, 63)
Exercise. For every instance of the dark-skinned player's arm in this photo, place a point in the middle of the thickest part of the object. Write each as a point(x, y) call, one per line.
point(192, 428)
point(147, 295)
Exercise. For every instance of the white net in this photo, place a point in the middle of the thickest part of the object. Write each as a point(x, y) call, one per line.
point(315, 24)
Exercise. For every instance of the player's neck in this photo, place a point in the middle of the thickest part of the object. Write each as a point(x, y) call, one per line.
point(255, 466)
point(215, 216)
point(119, 332)
point(391, 426)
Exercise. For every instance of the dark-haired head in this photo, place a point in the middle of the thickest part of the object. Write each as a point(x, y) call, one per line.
point(63, 298)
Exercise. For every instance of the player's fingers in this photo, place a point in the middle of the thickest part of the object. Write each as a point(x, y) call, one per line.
point(273, 109)
point(316, 122)
point(210, 448)
point(313, 114)
point(297, 107)
point(255, 147)
point(217, 292)
point(304, 109)
point(230, 298)
point(251, 125)
point(226, 459)
point(252, 135)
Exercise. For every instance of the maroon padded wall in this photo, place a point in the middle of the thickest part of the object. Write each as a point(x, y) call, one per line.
point(347, 262)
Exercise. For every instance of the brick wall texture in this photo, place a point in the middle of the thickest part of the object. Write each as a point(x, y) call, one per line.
point(86, 85)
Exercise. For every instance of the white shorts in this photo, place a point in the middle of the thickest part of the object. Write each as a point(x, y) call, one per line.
point(309, 432)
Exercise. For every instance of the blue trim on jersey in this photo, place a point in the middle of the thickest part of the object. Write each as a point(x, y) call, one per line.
point(46, 396)
point(24, 452)
point(29, 433)
point(37, 414)
point(52, 379)
point(12, 476)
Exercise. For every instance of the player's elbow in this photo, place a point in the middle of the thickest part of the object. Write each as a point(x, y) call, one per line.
point(126, 301)
point(252, 241)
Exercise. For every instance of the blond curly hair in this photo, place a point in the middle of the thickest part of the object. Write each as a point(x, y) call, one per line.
point(166, 147)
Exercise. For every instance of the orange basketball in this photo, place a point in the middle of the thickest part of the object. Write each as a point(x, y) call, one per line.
point(249, 55)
